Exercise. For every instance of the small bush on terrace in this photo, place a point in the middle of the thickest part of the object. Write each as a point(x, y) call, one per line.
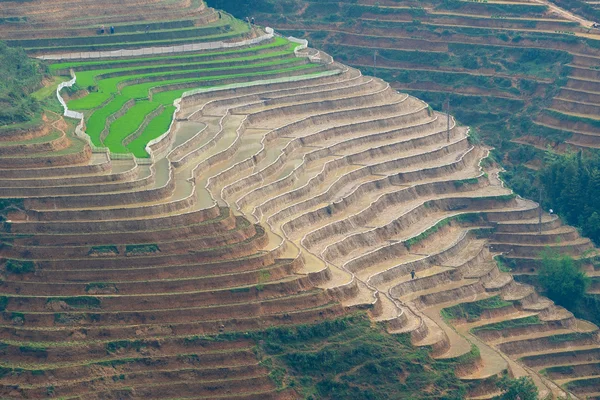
point(19, 267)
point(141, 248)
point(104, 250)
point(472, 311)
point(86, 302)
point(522, 387)
point(562, 279)
point(508, 324)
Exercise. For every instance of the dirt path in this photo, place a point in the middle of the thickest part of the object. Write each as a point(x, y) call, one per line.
point(566, 14)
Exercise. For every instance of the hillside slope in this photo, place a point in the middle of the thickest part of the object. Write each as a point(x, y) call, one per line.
point(513, 70)
point(295, 229)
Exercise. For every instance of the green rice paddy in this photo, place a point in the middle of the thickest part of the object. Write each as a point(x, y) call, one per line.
point(115, 84)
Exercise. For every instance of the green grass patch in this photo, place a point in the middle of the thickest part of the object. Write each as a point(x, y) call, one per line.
point(351, 358)
point(461, 218)
point(49, 89)
point(570, 337)
point(508, 324)
point(471, 181)
point(240, 290)
point(80, 302)
point(53, 135)
point(502, 265)
point(34, 122)
point(472, 311)
point(560, 370)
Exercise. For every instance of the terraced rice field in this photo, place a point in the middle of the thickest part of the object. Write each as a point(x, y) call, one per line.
point(511, 69)
point(131, 102)
point(287, 197)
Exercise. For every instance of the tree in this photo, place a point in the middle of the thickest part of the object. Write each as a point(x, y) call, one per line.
point(19, 77)
point(591, 227)
point(571, 185)
point(562, 279)
point(593, 192)
point(241, 8)
point(522, 387)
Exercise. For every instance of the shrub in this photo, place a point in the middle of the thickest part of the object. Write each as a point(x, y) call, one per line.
point(79, 301)
point(141, 248)
point(19, 77)
point(472, 311)
point(522, 387)
point(562, 279)
point(18, 267)
point(4, 300)
point(103, 250)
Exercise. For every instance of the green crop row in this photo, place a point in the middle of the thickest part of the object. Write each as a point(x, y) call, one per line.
point(509, 324)
point(108, 87)
point(128, 124)
point(97, 121)
point(155, 128)
point(89, 77)
point(277, 42)
point(472, 311)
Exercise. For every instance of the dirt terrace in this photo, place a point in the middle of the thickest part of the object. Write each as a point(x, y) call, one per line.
point(442, 33)
point(371, 185)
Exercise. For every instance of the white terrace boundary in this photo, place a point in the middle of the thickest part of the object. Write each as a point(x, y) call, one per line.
point(270, 33)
